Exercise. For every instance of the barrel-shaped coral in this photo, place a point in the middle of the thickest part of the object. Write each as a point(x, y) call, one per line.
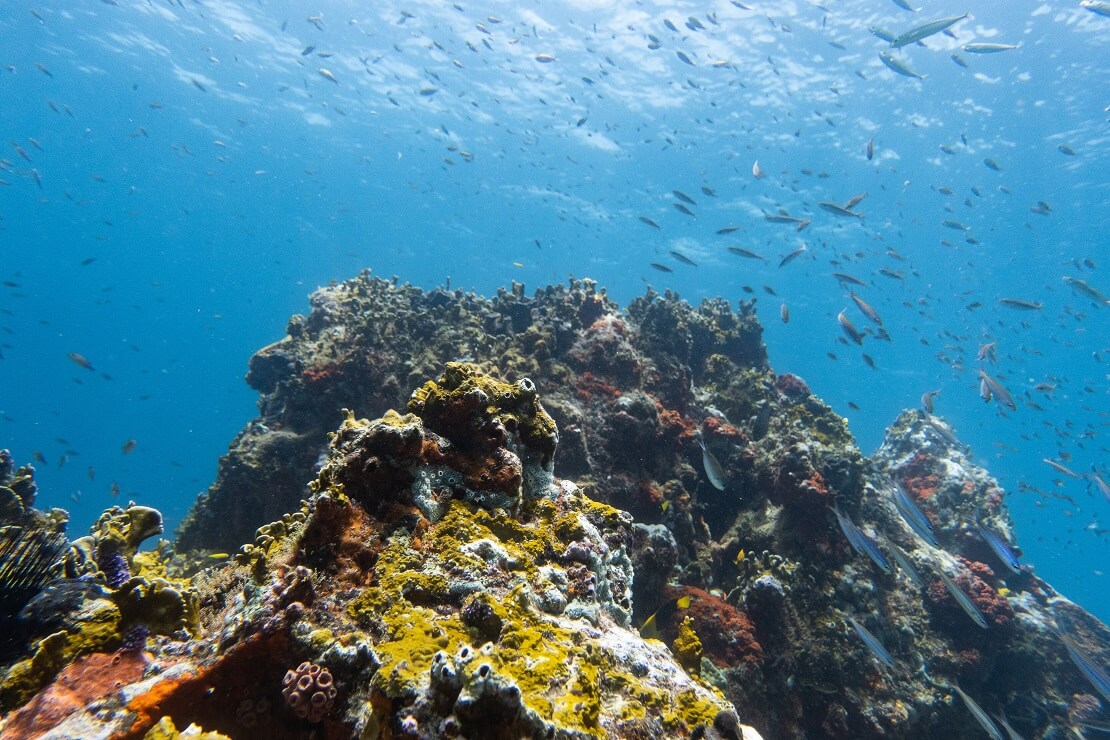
point(309, 691)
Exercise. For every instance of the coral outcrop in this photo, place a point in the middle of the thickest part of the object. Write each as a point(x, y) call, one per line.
point(62, 600)
point(590, 523)
point(440, 582)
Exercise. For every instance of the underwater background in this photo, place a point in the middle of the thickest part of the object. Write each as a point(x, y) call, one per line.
point(178, 176)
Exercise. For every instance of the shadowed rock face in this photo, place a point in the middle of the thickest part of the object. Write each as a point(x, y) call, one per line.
point(368, 342)
point(769, 573)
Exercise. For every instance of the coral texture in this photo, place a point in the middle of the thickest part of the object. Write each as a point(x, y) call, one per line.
point(540, 543)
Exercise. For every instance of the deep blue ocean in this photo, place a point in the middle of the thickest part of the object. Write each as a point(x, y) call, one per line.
point(178, 175)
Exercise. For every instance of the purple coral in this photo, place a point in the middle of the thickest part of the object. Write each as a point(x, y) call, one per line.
point(309, 691)
point(114, 566)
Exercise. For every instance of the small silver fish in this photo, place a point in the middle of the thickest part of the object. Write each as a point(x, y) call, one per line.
point(1059, 468)
point(898, 66)
point(925, 30)
point(849, 328)
point(1088, 667)
point(927, 400)
point(1100, 484)
point(838, 210)
point(844, 278)
point(866, 309)
point(994, 387)
point(855, 200)
point(713, 470)
point(979, 48)
point(1021, 304)
point(872, 643)
point(860, 542)
point(740, 251)
point(1084, 288)
point(912, 515)
point(1102, 7)
point(980, 716)
point(905, 564)
point(792, 256)
point(963, 600)
point(999, 546)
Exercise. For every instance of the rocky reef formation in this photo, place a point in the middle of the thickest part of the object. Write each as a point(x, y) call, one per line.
point(490, 558)
point(65, 604)
point(439, 582)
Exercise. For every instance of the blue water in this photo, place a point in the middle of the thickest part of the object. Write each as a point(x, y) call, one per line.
point(446, 146)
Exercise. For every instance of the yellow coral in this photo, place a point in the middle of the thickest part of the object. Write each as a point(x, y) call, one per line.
point(557, 670)
point(97, 630)
point(687, 646)
point(166, 730)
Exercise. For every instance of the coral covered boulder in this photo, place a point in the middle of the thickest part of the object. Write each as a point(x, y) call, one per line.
point(440, 582)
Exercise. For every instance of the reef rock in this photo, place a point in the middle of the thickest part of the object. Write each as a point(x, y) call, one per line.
point(440, 582)
point(471, 560)
point(770, 576)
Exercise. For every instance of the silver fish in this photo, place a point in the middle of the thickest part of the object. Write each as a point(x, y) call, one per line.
point(925, 30)
point(927, 400)
point(905, 564)
point(999, 392)
point(792, 256)
point(913, 516)
point(980, 716)
point(1085, 288)
point(999, 546)
point(845, 278)
point(1022, 304)
point(963, 600)
point(713, 470)
point(746, 253)
point(872, 643)
point(984, 390)
point(1061, 468)
point(1100, 484)
point(855, 200)
point(897, 65)
point(849, 328)
point(860, 542)
point(882, 33)
point(1001, 718)
point(944, 432)
point(866, 309)
point(1091, 670)
point(978, 48)
point(838, 210)
point(1102, 7)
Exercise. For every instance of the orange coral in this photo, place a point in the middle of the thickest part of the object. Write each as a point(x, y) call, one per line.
point(89, 678)
point(726, 633)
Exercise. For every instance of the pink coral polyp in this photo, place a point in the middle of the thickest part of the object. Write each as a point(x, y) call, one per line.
point(309, 691)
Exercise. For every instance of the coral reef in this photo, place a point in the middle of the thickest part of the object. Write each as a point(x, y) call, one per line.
point(419, 595)
point(488, 557)
point(63, 600)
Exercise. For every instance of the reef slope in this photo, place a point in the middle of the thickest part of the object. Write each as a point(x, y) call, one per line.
point(486, 555)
